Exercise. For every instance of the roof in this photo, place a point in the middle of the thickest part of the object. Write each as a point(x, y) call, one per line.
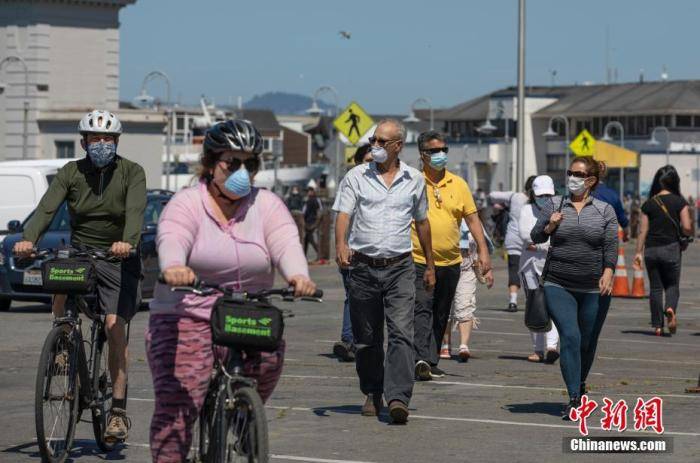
point(262, 119)
point(664, 97)
point(632, 98)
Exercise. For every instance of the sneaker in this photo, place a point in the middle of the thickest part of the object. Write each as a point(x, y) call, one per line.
point(117, 426)
point(573, 403)
point(373, 405)
point(445, 352)
point(512, 307)
point(551, 356)
point(398, 411)
point(344, 351)
point(435, 372)
point(423, 371)
point(464, 353)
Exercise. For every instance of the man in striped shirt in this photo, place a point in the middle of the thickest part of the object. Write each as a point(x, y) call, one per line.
point(383, 198)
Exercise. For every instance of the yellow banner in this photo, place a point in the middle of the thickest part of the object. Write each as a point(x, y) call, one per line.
point(614, 156)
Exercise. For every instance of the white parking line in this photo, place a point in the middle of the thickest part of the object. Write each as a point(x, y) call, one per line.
point(677, 362)
point(489, 421)
point(314, 460)
point(601, 339)
point(277, 457)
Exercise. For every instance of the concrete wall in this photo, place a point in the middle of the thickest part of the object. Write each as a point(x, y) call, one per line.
point(73, 49)
point(687, 165)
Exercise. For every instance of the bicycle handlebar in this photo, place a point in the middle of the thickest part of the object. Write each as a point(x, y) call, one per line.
point(201, 288)
point(72, 252)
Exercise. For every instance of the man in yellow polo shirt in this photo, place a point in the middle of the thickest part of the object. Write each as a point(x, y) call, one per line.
point(449, 201)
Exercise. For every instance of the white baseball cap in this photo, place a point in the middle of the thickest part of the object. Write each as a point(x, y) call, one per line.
point(543, 185)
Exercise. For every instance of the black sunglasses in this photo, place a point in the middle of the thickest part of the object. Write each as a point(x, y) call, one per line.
point(444, 149)
point(234, 164)
point(577, 174)
point(380, 141)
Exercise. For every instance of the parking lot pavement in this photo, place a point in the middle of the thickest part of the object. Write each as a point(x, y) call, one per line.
point(497, 407)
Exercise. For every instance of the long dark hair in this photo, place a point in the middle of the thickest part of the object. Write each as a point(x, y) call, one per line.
point(666, 178)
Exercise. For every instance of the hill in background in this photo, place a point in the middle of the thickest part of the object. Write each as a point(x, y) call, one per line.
point(286, 103)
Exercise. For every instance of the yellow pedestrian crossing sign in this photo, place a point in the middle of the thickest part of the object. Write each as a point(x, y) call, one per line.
point(583, 144)
point(353, 122)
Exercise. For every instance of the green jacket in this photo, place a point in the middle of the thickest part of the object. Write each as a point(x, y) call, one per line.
point(105, 206)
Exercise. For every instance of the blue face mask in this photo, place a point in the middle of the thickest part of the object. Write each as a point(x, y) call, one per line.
point(101, 153)
point(238, 183)
point(438, 160)
point(542, 201)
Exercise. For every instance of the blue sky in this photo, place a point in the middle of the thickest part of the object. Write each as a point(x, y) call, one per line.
point(448, 51)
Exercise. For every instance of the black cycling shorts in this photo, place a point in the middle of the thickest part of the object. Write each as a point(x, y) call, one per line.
point(119, 287)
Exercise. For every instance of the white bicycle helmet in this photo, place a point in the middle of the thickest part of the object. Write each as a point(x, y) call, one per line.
point(98, 121)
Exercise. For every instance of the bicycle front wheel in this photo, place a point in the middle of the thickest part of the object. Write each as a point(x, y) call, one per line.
point(243, 424)
point(56, 400)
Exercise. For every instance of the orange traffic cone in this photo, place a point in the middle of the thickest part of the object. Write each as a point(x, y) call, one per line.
point(621, 284)
point(638, 290)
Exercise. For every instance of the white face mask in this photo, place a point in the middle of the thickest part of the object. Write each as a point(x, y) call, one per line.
point(576, 185)
point(379, 154)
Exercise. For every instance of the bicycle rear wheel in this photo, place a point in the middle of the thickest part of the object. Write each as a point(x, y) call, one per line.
point(243, 435)
point(102, 388)
point(56, 400)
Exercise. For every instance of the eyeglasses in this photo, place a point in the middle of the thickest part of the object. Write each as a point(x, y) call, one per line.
point(234, 164)
point(438, 198)
point(444, 149)
point(577, 174)
point(381, 141)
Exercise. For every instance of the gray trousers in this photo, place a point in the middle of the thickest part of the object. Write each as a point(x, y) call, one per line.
point(664, 268)
point(377, 294)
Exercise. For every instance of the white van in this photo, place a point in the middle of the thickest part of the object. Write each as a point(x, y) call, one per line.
point(22, 184)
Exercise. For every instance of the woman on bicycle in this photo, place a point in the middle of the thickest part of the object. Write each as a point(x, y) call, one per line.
point(225, 232)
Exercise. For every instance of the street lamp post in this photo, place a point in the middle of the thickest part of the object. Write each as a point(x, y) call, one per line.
point(25, 119)
point(412, 117)
point(654, 142)
point(693, 140)
point(520, 161)
point(552, 133)
point(607, 137)
point(315, 110)
point(169, 111)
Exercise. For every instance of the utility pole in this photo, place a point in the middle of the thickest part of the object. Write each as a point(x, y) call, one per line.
point(521, 97)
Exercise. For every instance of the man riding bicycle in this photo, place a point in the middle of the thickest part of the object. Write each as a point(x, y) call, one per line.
point(106, 197)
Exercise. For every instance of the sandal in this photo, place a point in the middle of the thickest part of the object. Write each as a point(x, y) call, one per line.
point(537, 357)
point(672, 323)
point(659, 331)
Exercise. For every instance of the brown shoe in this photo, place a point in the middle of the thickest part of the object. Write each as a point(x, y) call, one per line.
point(373, 405)
point(117, 426)
point(398, 411)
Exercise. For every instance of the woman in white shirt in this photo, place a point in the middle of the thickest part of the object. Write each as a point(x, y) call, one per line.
point(532, 260)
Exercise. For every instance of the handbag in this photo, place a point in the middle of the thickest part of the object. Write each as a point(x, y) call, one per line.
point(242, 324)
point(537, 317)
point(683, 240)
point(73, 275)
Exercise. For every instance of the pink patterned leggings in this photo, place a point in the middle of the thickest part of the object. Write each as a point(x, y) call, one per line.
point(181, 358)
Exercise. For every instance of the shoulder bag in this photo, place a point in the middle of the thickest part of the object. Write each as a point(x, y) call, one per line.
point(683, 240)
point(537, 317)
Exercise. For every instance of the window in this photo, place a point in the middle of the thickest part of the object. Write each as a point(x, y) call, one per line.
point(267, 144)
point(696, 121)
point(683, 121)
point(556, 162)
point(65, 149)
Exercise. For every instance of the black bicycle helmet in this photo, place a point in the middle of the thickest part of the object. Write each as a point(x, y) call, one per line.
point(233, 134)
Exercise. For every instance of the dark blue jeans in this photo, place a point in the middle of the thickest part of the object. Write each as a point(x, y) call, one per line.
point(346, 331)
point(579, 318)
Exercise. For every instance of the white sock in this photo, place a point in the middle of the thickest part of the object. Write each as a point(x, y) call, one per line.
point(513, 298)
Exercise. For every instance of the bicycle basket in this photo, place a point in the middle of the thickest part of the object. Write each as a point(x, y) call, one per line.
point(69, 276)
point(246, 325)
